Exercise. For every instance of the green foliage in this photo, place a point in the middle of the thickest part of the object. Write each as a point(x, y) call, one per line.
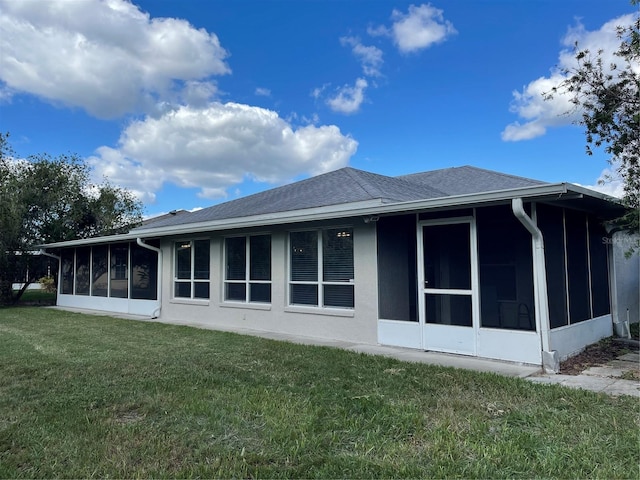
point(608, 96)
point(46, 199)
point(48, 284)
point(634, 329)
point(96, 397)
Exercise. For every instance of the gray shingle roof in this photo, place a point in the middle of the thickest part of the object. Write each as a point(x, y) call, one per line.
point(466, 180)
point(349, 185)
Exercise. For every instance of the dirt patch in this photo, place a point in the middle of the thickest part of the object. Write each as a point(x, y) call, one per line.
point(594, 355)
point(128, 417)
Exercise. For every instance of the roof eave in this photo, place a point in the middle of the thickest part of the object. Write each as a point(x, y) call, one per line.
point(550, 191)
point(123, 237)
point(365, 208)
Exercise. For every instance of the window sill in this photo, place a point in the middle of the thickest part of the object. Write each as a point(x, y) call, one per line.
point(204, 302)
point(332, 312)
point(246, 305)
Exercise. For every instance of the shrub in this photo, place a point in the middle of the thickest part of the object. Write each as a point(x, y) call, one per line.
point(48, 284)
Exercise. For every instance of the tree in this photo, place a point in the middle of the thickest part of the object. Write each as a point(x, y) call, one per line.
point(608, 95)
point(46, 199)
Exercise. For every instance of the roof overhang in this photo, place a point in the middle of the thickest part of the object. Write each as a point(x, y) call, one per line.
point(558, 193)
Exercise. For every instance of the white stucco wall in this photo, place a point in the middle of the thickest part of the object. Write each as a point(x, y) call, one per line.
point(626, 275)
point(357, 325)
point(572, 339)
point(145, 308)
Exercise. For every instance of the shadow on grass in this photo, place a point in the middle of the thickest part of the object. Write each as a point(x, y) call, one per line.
point(36, 298)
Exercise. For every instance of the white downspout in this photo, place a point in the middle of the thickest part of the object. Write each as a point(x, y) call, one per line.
point(47, 254)
point(550, 360)
point(618, 323)
point(140, 242)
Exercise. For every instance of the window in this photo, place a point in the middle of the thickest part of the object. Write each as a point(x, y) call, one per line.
point(67, 271)
point(192, 269)
point(248, 281)
point(397, 268)
point(576, 265)
point(83, 278)
point(120, 270)
point(99, 271)
point(505, 264)
point(551, 222)
point(328, 251)
point(144, 272)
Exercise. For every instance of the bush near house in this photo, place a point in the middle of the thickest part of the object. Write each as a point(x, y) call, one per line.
point(48, 284)
point(91, 396)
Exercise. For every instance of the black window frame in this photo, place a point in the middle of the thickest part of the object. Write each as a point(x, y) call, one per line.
point(247, 269)
point(192, 282)
point(326, 277)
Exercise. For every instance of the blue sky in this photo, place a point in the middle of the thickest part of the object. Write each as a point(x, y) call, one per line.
point(190, 103)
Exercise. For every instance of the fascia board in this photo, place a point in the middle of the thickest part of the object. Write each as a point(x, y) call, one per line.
point(593, 193)
point(556, 191)
point(123, 237)
point(355, 209)
point(307, 214)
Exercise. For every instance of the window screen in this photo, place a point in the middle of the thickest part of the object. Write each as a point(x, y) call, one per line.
point(67, 257)
point(100, 271)
point(83, 276)
point(119, 270)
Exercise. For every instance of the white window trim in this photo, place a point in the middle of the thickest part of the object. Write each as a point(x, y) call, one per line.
point(191, 280)
point(247, 273)
point(321, 307)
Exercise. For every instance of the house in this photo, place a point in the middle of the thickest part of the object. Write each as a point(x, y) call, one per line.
point(461, 260)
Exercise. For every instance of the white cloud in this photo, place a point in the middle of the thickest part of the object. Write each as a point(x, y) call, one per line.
point(419, 28)
point(348, 99)
point(104, 56)
point(318, 91)
point(127, 172)
point(609, 182)
point(197, 93)
point(263, 92)
point(540, 114)
point(217, 147)
point(370, 57)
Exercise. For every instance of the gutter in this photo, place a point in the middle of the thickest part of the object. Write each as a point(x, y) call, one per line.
point(553, 191)
point(550, 359)
point(365, 208)
point(47, 254)
point(140, 242)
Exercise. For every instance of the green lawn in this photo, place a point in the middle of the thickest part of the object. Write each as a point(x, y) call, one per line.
point(86, 396)
point(37, 297)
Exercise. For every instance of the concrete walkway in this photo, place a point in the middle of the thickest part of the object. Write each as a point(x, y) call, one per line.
point(606, 379)
point(597, 379)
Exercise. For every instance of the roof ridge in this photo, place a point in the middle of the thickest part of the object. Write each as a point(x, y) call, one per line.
point(495, 172)
point(397, 181)
point(405, 179)
point(358, 179)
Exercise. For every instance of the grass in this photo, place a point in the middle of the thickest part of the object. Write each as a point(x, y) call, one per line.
point(37, 297)
point(84, 396)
